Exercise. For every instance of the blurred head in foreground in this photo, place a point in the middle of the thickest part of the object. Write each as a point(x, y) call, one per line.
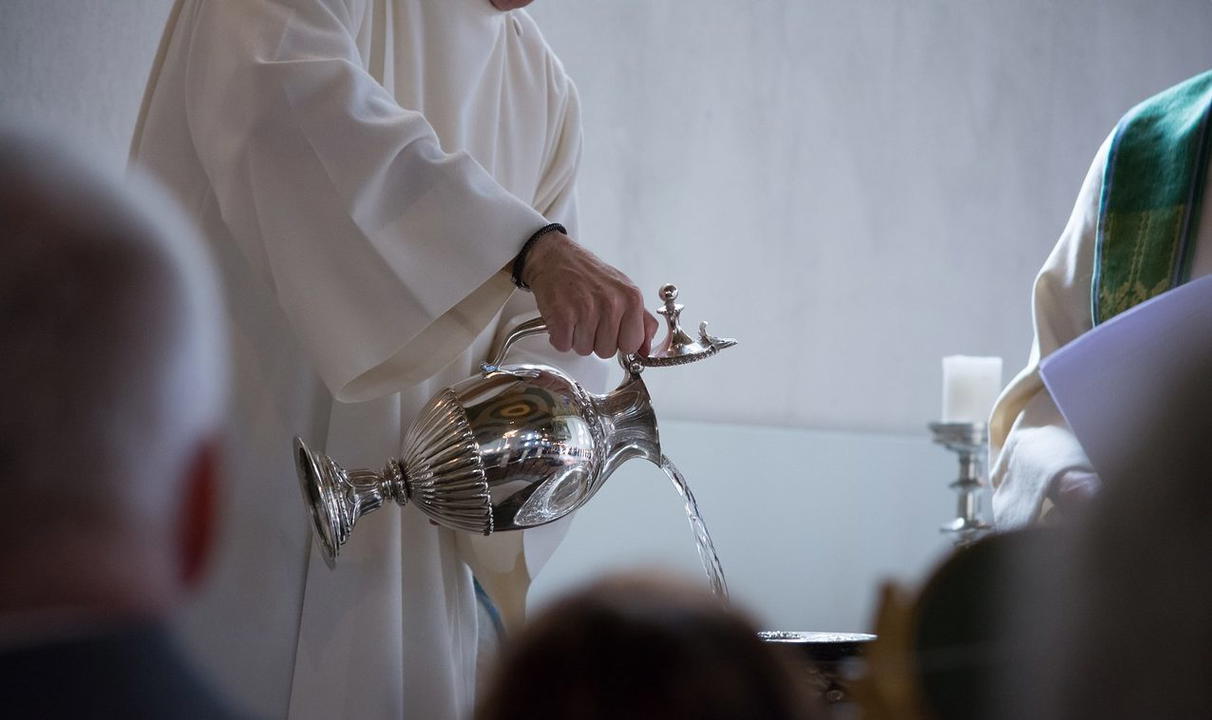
point(1138, 637)
point(113, 362)
point(643, 648)
point(1122, 627)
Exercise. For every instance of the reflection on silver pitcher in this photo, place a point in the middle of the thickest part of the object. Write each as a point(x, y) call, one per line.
point(513, 447)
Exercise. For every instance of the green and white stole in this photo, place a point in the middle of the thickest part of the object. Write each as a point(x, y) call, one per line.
point(1152, 188)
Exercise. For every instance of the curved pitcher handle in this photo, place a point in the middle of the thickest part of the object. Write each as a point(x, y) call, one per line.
point(535, 326)
point(631, 363)
point(678, 348)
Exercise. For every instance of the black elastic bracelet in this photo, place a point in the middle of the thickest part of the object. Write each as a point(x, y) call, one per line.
point(519, 262)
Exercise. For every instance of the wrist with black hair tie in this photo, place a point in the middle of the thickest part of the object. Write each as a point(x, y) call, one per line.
point(519, 262)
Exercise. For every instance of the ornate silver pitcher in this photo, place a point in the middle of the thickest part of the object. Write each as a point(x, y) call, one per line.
point(510, 448)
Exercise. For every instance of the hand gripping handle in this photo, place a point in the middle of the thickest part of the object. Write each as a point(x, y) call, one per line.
point(677, 348)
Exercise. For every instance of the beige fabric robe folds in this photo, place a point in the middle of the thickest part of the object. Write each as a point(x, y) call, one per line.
point(364, 169)
point(1031, 445)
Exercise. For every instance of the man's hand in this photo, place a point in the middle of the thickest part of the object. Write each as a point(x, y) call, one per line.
point(588, 305)
point(1074, 490)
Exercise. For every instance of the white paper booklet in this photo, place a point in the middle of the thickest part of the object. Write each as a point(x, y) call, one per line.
point(1114, 381)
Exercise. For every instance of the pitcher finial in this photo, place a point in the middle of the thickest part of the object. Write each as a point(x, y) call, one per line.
point(678, 348)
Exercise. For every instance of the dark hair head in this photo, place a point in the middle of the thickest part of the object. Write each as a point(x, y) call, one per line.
point(645, 648)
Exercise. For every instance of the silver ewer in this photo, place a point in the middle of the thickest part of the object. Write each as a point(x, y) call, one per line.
point(513, 447)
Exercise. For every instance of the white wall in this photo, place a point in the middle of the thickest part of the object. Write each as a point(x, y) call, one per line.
point(79, 65)
point(854, 188)
point(806, 522)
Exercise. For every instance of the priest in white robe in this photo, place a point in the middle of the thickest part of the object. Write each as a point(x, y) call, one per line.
point(1142, 225)
point(367, 171)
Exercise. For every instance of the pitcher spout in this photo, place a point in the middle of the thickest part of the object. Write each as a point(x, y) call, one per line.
point(630, 424)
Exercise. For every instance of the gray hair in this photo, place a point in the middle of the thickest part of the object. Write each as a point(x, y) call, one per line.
point(112, 349)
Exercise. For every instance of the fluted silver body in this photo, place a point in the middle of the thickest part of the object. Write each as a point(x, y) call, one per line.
point(513, 448)
point(547, 445)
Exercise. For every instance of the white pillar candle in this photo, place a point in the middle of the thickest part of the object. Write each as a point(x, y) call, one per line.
point(970, 387)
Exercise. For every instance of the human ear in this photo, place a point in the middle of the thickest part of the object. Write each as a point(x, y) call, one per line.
point(198, 512)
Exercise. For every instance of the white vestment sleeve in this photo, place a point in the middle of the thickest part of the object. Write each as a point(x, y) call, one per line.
point(386, 253)
point(1030, 443)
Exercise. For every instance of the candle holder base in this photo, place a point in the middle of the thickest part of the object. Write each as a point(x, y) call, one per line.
point(970, 441)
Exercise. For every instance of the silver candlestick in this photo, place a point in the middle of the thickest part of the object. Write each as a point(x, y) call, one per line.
point(971, 442)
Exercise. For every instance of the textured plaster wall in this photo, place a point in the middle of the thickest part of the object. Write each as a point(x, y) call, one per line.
point(79, 65)
point(855, 188)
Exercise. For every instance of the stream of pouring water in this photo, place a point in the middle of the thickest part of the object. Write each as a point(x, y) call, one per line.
point(702, 538)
